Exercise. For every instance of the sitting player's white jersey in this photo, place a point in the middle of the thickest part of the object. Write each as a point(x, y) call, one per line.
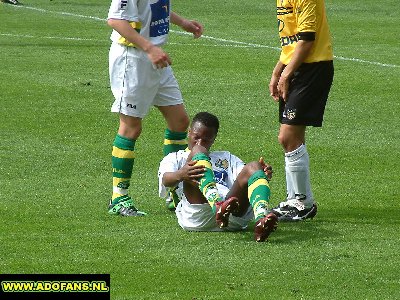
point(200, 217)
point(225, 165)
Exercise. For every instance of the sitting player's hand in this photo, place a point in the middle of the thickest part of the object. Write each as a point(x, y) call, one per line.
point(192, 173)
point(267, 168)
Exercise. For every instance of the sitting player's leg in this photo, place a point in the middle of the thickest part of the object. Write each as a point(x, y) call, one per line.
point(206, 191)
point(207, 185)
point(123, 158)
point(175, 139)
point(251, 188)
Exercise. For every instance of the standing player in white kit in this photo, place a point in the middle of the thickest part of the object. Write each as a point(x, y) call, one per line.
point(141, 77)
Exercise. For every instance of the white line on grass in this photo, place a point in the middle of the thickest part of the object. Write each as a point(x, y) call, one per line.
point(47, 37)
point(107, 40)
point(236, 43)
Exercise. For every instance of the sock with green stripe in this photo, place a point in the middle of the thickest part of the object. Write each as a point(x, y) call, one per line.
point(174, 141)
point(259, 194)
point(123, 158)
point(207, 185)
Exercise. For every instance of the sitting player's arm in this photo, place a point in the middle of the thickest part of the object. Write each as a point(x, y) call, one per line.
point(189, 172)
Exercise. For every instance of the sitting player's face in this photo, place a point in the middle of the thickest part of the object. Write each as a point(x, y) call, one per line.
point(201, 135)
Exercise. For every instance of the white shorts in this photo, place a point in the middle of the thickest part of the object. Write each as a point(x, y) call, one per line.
point(137, 85)
point(200, 217)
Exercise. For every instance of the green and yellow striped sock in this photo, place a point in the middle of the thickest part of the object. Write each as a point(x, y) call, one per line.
point(207, 185)
point(174, 141)
point(259, 194)
point(123, 158)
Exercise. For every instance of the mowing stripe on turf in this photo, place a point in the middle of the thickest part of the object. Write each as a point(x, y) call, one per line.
point(243, 44)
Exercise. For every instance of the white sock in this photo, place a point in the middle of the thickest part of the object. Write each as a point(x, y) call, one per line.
point(289, 184)
point(298, 171)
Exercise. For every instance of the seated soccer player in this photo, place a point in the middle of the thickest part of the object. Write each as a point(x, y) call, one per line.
point(217, 190)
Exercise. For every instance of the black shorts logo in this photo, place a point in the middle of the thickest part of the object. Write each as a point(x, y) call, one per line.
point(289, 114)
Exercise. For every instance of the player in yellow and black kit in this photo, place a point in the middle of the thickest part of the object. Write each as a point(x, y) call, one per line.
point(300, 82)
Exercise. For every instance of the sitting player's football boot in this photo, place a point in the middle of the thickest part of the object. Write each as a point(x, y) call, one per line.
point(125, 208)
point(264, 227)
point(169, 204)
point(224, 209)
point(172, 200)
point(295, 210)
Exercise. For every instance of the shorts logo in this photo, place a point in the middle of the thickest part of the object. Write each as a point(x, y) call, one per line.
point(289, 114)
point(131, 106)
point(124, 3)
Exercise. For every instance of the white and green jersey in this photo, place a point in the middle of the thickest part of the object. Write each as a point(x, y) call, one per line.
point(226, 168)
point(148, 17)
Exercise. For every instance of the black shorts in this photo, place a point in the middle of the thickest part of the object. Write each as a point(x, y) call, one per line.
point(308, 93)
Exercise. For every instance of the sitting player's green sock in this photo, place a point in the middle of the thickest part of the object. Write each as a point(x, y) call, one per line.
point(207, 185)
point(172, 199)
point(174, 141)
point(259, 194)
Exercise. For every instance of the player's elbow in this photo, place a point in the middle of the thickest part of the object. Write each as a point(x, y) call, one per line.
point(112, 22)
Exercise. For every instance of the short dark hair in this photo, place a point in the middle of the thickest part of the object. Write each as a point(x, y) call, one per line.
point(207, 119)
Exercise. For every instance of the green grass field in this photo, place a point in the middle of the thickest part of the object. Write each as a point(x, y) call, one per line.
point(55, 155)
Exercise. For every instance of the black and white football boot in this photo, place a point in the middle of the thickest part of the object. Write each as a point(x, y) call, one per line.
point(14, 2)
point(295, 210)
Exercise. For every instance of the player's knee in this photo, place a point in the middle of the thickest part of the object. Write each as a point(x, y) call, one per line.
point(282, 139)
point(131, 132)
point(130, 127)
point(287, 142)
point(180, 123)
point(199, 149)
point(290, 143)
point(183, 123)
point(252, 167)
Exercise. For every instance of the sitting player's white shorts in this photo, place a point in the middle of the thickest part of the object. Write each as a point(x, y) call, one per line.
point(200, 217)
point(137, 84)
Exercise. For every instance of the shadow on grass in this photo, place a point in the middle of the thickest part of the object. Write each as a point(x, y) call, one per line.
point(328, 224)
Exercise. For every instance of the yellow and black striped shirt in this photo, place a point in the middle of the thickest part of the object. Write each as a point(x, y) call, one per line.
point(304, 20)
